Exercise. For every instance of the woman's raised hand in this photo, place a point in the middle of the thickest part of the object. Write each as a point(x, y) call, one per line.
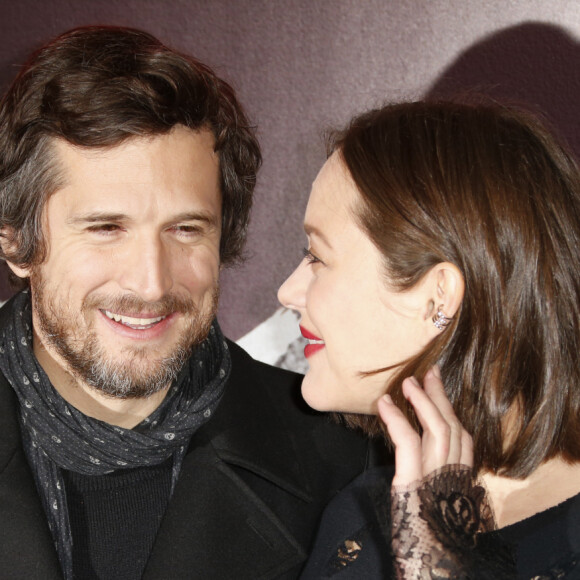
point(437, 508)
point(444, 440)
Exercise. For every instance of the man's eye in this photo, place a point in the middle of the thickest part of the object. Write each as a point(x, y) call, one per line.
point(187, 230)
point(103, 228)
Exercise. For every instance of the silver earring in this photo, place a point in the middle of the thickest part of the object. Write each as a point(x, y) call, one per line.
point(440, 320)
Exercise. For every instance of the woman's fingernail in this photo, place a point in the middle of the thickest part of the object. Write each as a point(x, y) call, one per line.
point(415, 382)
point(436, 371)
point(388, 399)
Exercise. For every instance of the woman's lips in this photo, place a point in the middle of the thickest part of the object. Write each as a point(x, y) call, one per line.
point(314, 345)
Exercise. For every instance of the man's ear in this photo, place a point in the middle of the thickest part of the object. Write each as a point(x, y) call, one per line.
point(445, 289)
point(7, 243)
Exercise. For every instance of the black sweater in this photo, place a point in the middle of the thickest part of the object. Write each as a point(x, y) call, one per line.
point(114, 520)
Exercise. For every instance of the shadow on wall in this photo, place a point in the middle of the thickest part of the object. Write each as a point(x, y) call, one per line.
point(536, 63)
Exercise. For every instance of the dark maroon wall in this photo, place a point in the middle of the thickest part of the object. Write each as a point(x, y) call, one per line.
point(301, 65)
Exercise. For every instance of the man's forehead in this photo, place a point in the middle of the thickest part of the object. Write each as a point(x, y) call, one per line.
point(179, 167)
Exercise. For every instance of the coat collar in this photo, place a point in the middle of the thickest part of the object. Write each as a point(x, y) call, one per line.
point(248, 442)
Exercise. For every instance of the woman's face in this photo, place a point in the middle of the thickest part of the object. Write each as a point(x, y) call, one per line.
point(356, 324)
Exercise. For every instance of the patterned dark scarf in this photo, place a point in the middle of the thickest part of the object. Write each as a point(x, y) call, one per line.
point(57, 436)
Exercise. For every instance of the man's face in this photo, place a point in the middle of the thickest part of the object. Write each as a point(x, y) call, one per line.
point(130, 282)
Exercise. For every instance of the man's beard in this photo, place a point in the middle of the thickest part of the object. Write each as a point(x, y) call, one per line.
point(87, 359)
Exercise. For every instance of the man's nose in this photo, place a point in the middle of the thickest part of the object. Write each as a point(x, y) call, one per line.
point(292, 294)
point(146, 270)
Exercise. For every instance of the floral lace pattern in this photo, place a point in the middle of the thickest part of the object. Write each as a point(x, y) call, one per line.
point(435, 523)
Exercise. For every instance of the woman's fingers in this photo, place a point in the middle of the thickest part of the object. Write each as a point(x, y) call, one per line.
point(444, 440)
point(460, 441)
point(436, 392)
point(466, 457)
point(408, 449)
point(436, 431)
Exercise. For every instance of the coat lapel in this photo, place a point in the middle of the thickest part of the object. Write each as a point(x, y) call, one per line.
point(217, 527)
point(249, 429)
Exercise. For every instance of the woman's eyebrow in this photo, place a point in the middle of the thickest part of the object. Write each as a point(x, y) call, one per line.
point(312, 230)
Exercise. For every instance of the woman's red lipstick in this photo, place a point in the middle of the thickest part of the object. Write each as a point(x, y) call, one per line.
point(312, 347)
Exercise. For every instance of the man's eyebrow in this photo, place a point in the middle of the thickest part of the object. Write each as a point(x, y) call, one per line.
point(95, 217)
point(196, 216)
point(99, 217)
point(314, 231)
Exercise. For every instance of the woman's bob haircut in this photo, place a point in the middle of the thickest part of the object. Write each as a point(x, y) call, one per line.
point(488, 188)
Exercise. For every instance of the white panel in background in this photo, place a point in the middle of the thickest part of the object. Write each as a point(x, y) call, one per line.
point(277, 341)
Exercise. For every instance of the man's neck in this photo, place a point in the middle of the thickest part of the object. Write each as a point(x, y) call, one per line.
point(126, 413)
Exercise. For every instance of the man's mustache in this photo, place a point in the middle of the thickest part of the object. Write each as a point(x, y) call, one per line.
point(131, 304)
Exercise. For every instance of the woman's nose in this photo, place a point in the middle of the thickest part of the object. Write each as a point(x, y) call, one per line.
point(292, 293)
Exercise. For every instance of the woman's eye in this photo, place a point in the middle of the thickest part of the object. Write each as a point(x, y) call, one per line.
point(310, 257)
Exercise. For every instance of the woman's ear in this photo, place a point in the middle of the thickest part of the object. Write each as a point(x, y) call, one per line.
point(449, 288)
point(442, 291)
point(7, 243)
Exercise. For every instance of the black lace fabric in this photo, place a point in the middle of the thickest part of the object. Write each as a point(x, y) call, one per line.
point(435, 525)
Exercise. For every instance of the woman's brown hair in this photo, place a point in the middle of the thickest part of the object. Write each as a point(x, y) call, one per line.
point(489, 189)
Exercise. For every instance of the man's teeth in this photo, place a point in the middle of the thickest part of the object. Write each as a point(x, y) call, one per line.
point(133, 322)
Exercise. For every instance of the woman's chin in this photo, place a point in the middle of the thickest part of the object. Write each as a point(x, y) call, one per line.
point(313, 401)
point(316, 397)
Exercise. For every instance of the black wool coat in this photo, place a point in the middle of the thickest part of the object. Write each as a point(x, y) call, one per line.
point(248, 500)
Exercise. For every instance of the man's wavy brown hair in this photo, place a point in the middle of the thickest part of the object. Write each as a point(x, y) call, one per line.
point(96, 87)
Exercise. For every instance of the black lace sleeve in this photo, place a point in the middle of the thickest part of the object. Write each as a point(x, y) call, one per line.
point(437, 525)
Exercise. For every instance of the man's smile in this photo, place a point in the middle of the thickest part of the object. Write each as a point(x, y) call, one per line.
point(140, 326)
point(138, 323)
